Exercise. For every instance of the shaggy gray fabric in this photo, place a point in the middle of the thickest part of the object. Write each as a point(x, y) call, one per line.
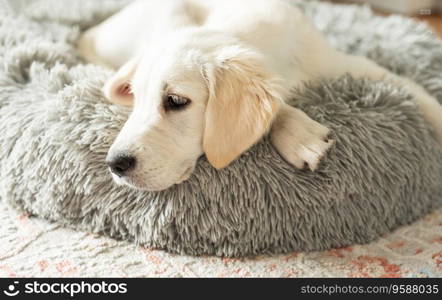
point(385, 170)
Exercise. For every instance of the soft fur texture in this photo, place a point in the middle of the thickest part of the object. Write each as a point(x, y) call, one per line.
point(384, 171)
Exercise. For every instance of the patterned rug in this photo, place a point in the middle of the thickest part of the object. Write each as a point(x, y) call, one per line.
point(33, 247)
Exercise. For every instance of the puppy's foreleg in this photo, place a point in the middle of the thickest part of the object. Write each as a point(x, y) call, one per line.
point(358, 66)
point(300, 140)
point(86, 48)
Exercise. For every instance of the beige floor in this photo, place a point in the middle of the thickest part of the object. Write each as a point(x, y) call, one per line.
point(435, 22)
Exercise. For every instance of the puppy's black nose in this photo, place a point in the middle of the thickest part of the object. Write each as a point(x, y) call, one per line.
point(121, 164)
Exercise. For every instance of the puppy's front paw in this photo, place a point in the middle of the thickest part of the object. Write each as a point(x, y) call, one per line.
point(300, 140)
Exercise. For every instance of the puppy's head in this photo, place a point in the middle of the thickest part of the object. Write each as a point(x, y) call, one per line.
point(202, 94)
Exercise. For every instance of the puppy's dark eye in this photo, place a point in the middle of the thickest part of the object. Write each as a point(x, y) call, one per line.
point(175, 102)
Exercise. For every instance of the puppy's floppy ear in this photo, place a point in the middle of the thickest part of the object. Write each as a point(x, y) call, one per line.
point(118, 89)
point(243, 101)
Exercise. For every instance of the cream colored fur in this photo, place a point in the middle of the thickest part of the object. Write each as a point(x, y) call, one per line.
point(237, 62)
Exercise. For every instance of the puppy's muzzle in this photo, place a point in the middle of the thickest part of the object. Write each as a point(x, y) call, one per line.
point(120, 164)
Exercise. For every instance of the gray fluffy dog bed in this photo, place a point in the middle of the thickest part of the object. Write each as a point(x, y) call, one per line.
point(384, 171)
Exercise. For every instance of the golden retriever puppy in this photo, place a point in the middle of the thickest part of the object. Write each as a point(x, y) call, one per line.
point(212, 77)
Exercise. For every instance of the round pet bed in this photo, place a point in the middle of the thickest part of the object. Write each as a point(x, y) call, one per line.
point(384, 171)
